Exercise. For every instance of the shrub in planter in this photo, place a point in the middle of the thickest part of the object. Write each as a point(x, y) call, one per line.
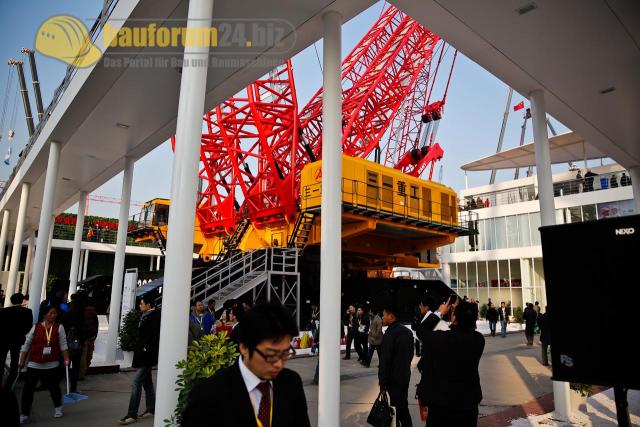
point(518, 315)
point(128, 334)
point(205, 357)
point(483, 311)
point(583, 389)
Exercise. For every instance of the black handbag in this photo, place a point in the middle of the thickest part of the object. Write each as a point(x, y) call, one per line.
point(381, 413)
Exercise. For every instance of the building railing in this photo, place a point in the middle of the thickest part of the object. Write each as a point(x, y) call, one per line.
point(106, 11)
point(97, 235)
point(528, 193)
point(387, 203)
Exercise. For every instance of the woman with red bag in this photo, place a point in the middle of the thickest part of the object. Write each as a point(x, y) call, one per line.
point(44, 344)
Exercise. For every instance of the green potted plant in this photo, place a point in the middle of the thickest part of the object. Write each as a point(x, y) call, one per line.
point(579, 394)
point(128, 336)
point(483, 311)
point(518, 315)
point(205, 357)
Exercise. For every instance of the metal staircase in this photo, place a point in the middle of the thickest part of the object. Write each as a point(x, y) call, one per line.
point(301, 230)
point(242, 272)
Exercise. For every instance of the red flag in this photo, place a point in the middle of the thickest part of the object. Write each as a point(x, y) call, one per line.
point(519, 106)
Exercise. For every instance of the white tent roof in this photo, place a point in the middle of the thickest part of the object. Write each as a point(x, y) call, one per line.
point(564, 148)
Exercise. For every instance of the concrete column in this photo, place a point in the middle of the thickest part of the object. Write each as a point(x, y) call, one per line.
point(44, 227)
point(86, 264)
point(81, 267)
point(17, 243)
point(7, 258)
point(561, 395)
point(43, 294)
point(77, 242)
point(118, 264)
point(28, 264)
point(184, 185)
point(331, 228)
point(4, 231)
point(634, 174)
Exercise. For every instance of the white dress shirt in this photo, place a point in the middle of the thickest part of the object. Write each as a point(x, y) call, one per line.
point(251, 381)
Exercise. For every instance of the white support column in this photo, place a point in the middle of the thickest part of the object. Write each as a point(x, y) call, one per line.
point(28, 264)
point(158, 258)
point(634, 174)
point(43, 293)
point(77, 242)
point(17, 243)
point(331, 228)
point(45, 226)
point(6, 216)
point(118, 264)
point(184, 185)
point(7, 258)
point(86, 264)
point(547, 215)
point(81, 266)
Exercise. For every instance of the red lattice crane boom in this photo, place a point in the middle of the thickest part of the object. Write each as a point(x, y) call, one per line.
point(256, 143)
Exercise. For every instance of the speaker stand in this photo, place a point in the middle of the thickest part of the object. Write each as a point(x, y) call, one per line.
point(622, 406)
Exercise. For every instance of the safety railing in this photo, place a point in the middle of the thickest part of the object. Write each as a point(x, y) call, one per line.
point(386, 203)
point(106, 11)
point(593, 182)
point(93, 234)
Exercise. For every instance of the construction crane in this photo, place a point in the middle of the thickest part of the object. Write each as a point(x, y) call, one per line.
point(258, 143)
point(107, 199)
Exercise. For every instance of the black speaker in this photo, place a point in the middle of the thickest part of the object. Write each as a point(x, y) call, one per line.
point(592, 277)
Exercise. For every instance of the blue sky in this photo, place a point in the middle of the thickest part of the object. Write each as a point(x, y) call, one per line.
point(469, 130)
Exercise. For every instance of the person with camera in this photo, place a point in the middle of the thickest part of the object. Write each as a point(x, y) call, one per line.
point(450, 363)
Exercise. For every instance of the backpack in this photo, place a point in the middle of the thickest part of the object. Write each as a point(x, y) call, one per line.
point(73, 340)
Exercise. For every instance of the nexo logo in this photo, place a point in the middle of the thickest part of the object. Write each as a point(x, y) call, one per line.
point(625, 231)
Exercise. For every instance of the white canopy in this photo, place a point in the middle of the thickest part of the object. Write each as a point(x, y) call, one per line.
point(564, 148)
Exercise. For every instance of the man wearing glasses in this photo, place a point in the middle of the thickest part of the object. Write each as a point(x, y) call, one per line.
point(257, 390)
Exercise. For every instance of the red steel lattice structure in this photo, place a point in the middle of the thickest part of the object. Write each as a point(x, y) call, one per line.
point(256, 143)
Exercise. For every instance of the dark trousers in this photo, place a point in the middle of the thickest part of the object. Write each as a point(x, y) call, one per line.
point(440, 416)
point(49, 379)
point(74, 371)
point(492, 328)
point(14, 350)
point(362, 346)
point(373, 348)
point(399, 394)
point(350, 336)
point(545, 358)
point(142, 379)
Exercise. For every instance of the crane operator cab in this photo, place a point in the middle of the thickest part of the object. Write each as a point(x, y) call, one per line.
point(151, 221)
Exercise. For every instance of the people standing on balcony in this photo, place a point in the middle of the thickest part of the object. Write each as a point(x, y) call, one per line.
point(487, 203)
point(625, 180)
point(579, 182)
point(588, 180)
point(479, 202)
point(613, 182)
point(473, 204)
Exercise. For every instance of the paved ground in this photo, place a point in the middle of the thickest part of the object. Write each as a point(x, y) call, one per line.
point(510, 372)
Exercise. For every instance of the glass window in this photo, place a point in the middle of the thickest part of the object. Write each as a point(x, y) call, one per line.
point(516, 277)
point(453, 274)
point(460, 244)
point(501, 233)
point(481, 235)
point(534, 220)
point(471, 274)
point(512, 231)
point(482, 274)
point(491, 233)
point(575, 214)
point(503, 271)
point(462, 274)
point(538, 272)
point(493, 273)
point(523, 230)
point(589, 212)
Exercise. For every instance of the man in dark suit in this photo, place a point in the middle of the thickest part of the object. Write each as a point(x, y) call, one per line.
point(257, 390)
point(451, 362)
point(430, 318)
point(15, 323)
point(395, 367)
